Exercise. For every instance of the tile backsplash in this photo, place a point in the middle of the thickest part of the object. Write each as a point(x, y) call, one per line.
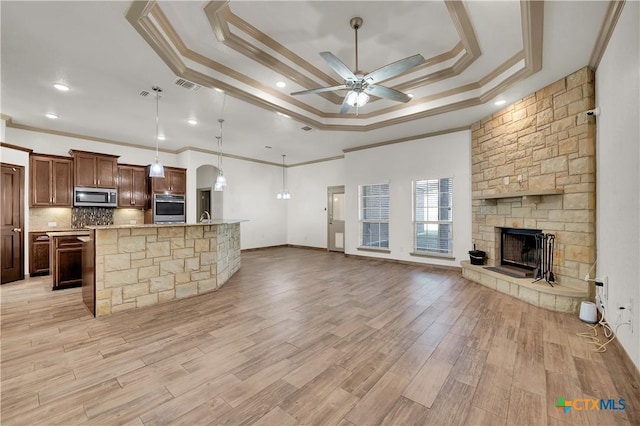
point(85, 216)
point(40, 219)
point(63, 218)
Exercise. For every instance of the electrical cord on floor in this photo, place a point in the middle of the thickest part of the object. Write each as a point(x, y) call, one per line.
point(594, 340)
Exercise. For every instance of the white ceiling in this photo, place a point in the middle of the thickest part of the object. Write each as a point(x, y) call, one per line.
point(107, 62)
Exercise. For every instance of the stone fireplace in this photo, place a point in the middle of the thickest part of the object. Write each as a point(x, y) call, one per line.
point(533, 167)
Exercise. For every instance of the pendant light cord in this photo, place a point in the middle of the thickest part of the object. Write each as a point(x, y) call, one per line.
point(221, 120)
point(284, 187)
point(157, 90)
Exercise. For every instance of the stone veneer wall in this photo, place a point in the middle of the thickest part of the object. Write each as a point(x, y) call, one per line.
point(547, 139)
point(142, 266)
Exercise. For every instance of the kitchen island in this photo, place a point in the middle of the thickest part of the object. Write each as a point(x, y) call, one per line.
point(131, 266)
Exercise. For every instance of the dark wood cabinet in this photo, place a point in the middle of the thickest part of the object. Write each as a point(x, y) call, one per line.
point(174, 182)
point(66, 261)
point(94, 170)
point(51, 181)
point(38, 253)
point(132, 187)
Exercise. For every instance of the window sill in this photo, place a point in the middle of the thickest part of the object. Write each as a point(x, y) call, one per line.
point(377, 250)
point(437, 255)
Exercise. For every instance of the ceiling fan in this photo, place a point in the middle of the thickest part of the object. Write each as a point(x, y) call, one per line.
point(362, 85)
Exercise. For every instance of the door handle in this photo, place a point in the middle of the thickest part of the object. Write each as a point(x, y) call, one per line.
point(17, 230)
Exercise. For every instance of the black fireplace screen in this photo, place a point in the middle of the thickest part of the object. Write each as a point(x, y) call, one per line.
point(519, 248)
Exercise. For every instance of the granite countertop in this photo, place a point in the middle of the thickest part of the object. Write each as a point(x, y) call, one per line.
point(153, 225)
point(52, 229)
point(73, 232)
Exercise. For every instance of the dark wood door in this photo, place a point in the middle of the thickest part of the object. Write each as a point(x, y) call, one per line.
point(132, 187)
point(11, 235)
point(38, 253)
point(66, 262)
point(177, 181)
point(125, 186)
point(62, 183)
point(51, 181)
point(106, 172)
point(41, 177)
point(85, 170)
point(160, 185)
point(139, 187)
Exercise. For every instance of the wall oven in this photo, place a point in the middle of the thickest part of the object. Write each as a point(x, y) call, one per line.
point(94, 197)
point(168, 208)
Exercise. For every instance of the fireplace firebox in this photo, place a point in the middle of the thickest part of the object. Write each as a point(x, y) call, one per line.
point(520, 251)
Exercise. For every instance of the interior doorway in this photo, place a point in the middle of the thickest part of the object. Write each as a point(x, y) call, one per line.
point(11, 233)
point(204, 202)
point(335, 218)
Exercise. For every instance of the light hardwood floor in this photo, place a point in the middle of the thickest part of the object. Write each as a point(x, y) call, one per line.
point(306, 337)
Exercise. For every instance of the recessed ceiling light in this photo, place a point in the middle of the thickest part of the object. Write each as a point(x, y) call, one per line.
point(410, 95)
point(218, 90)
point(500, 102)
point(161, 138)
point(281, 84)
point(61, 87)
point(192, 121)
point(282, 114)
point(51, 115)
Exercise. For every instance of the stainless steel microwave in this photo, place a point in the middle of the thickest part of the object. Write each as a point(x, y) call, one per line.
point(168, 208)
point(95, 197)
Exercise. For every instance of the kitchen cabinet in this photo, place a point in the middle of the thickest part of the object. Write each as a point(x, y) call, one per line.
point(38, 253)
point(94, 170)
point(173, 182)
point(51, 181)
point(132, 187)
point(66, 261)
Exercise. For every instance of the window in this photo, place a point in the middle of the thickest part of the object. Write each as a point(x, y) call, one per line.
point(433, 216)
point(374, 216)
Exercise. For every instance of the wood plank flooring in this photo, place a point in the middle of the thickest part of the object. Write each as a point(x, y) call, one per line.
point(306, 337)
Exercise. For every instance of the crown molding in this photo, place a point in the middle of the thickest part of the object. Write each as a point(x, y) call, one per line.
point(606, 30)
point(407, 139)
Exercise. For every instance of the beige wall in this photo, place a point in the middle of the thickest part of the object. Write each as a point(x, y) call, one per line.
point(548, 140)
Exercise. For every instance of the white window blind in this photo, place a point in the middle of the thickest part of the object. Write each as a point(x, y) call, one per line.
point(374, 215)
point(433, 216)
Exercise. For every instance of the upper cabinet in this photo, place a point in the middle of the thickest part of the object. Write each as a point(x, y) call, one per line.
point(174, 181)
point(51, 181)
point(95, 170)
point(132, 187)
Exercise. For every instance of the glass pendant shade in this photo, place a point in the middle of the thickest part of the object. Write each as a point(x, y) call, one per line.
point(221, 180)
point(156, 170)
point(357, 98)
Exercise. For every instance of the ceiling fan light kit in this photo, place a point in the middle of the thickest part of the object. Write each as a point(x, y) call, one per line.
point(361, 86)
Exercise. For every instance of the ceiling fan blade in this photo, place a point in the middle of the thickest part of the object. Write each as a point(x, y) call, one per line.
point(337, 65)
point(319, 90)
point(393, 69)
point(387, 93)
point(345, 106)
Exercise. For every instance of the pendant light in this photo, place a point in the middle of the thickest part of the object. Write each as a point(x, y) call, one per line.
point(157, 170)
point(284, 194)
point(221, 180)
